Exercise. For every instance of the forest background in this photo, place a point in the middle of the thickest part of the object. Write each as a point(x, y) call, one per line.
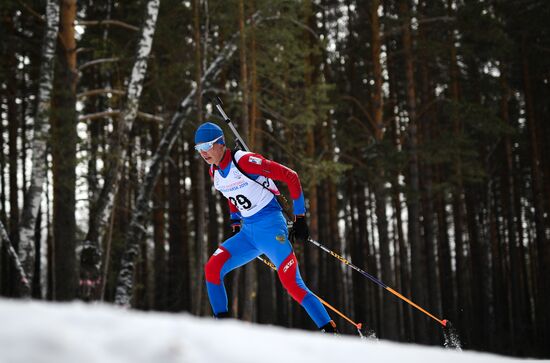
point(420, 131)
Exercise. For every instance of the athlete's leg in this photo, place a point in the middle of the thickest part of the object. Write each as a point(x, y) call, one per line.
point(290, 277)
point(234, 252)
point(271, 238)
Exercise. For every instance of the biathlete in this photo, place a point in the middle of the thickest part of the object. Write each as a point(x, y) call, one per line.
point(259, 227)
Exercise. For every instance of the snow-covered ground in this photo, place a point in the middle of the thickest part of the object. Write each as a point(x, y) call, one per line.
point(35, 332)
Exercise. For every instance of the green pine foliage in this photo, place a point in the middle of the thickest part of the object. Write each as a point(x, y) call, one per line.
point(481, 75)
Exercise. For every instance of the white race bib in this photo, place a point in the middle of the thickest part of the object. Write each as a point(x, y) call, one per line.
point(247, 195)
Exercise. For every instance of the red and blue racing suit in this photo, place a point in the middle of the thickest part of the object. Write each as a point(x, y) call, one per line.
point(263, 228)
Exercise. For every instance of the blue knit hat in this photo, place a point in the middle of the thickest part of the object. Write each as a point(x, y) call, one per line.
point(208, 131)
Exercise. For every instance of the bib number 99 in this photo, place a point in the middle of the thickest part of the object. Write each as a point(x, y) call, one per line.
point(241, 202)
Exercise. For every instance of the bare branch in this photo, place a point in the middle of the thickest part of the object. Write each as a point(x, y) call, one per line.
point(149, 117)
point(100, 91)
point(363, 109)
point(398, 29)
point(32, 11)
point(102, 114)
point(97, 61)
point(295, 22)
point(107, 22)
point(82, 50)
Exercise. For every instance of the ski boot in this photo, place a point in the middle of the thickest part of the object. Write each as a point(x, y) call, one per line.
point(330, 328)
point(224, 315)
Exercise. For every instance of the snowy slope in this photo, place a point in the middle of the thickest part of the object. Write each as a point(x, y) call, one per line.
point(35, 332)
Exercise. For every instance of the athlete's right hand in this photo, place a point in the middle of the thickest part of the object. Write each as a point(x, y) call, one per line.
point(235, 227)
point(300, 231)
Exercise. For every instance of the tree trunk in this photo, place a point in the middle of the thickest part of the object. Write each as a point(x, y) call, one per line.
point(356, 242)
point(3, 215)
point(388, 311)
point(517, 249)
point(403, 261)
point(159, 237)
point(119, 141)
point(251, 278)
point(427, 123)
point(508, 182)
point(50, 265)
point(4, 261)
point(13, 130)
point(244, 122)
point(543, 249)
point(459, 215)
point(177, 295)
point(375, 294)
point(36, 283)
point(33, 195)
point(501, 325)
point(255, 137)
point(200, 185)
point(331, 188)
point(266, 300)
point(418, 248)
point(63, 145)
point(186, 229)
point(377, 95)
point(446, 276)
point(474, 200)
point(314, 213)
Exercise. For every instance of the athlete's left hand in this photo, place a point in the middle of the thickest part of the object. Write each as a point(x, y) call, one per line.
point(300, 230)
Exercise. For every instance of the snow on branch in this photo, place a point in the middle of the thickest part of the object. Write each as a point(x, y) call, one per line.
point(117, 113)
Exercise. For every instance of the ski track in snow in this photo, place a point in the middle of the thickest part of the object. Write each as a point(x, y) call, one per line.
point(39, 332)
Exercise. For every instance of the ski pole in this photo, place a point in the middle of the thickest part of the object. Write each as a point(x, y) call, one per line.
point(218, 103)
point(443, 322)
point(356, 325)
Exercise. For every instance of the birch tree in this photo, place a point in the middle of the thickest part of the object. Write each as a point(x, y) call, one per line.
point(118, 144)
point(139, 219)
point(4, 238)
point(33, 195)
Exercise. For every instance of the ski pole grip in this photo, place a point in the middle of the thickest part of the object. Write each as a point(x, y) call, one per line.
point(217, 101)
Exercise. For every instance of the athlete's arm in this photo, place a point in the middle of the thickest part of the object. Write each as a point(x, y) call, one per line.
point(256, 164)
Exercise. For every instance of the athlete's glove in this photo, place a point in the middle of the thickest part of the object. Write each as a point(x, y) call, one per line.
point(299, 231)
point(235, 227)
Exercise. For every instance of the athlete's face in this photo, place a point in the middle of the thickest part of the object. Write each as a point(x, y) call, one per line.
point(213, 155)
